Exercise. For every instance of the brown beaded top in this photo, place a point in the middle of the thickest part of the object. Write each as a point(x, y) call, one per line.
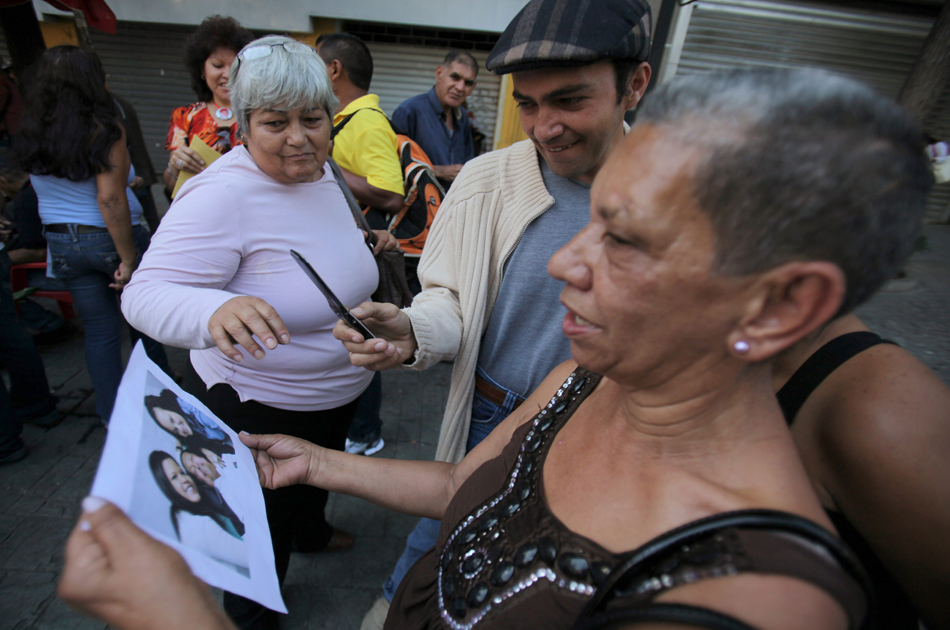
point(503, 560)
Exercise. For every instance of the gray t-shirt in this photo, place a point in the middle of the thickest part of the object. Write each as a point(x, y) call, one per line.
point(524, 340)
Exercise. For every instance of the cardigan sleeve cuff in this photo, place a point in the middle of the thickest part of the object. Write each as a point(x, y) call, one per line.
point(437, 333)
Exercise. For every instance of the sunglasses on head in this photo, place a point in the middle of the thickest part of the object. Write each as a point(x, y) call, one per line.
point(259, 51)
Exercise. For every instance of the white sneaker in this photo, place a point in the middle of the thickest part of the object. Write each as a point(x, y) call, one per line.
point(374, 448)
point(364, 448)
point(376, 617)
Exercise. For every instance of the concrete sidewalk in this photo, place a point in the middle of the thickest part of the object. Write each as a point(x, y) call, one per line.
point(39, 504)
point(39, 497)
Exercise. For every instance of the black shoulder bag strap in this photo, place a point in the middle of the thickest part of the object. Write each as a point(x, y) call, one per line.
point(337, 128)
point(351, 199)
point(596, 615)
point(392, 287)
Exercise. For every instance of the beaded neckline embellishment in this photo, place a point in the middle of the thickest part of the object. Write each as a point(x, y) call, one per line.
point(475, 576)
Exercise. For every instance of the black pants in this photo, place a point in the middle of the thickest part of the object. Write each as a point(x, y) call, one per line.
point(294, 513)
point(29, 395)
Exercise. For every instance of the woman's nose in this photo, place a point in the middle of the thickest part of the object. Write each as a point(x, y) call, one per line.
point(295, 134)
point(569, 263)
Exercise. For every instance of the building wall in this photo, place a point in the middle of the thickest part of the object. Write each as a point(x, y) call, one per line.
point(294, 15)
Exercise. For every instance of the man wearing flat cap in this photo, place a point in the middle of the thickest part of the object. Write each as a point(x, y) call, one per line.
point(487, 300)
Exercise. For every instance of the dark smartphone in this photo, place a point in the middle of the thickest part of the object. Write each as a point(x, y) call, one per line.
point(335, 304)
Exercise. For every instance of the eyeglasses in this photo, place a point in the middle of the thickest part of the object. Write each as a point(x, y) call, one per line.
point(263, 50)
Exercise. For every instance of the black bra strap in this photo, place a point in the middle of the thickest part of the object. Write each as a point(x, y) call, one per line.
point(819, 366)
point(663, 613)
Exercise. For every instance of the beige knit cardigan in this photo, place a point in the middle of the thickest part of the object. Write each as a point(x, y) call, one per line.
point(478, 226)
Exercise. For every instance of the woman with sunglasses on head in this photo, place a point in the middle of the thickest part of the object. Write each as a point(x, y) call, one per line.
point(220, 273)
point(209, 53)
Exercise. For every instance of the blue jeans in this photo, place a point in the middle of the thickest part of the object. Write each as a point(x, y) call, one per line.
point(29, 395)
point(486, 415)
point(367, 425)
point(86, 263)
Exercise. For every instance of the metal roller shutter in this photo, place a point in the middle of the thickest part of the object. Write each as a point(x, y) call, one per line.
point(875, 47)
point(144, 64)
point(400, 72)
point(938, 205)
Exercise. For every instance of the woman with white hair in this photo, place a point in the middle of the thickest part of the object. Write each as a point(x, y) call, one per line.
point(219, 271)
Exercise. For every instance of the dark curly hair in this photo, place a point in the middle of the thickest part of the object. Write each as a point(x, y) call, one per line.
point(214, 33)
point(70, 121)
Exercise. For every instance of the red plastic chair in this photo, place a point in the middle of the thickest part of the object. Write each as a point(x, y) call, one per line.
point(19, 281)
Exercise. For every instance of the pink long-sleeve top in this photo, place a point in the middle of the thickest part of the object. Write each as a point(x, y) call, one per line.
point(229, 233)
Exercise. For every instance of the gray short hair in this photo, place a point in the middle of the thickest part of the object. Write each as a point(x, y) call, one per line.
point(800, 165)
point(282, 80)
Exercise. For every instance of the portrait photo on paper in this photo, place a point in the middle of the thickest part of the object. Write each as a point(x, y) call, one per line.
point(185, 478)
point(187, 481)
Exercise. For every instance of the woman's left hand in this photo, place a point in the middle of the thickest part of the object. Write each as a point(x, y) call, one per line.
point(282, 460)
point(385, 241)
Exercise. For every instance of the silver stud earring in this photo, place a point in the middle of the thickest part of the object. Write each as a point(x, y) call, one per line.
point(741, 346)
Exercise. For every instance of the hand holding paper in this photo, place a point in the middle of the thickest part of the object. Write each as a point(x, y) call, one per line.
point(282, 460)
point(206, 153)
point(183, 477)
point(117, 572)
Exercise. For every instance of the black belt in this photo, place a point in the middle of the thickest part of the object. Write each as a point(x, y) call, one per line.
point(63, 228)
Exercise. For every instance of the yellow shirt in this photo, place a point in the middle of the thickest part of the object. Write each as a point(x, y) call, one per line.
point(368, 147)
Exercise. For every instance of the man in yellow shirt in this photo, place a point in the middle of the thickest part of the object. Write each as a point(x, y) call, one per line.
point(367, 150)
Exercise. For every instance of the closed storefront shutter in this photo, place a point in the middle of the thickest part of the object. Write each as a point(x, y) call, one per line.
point(400, 72)
point(145, 66)
point(875, 47)
point(938, 206)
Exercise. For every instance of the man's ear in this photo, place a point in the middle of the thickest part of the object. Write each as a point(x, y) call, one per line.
point(439, 70)
point(334, 69)
point(637, 84)
point(789, 303)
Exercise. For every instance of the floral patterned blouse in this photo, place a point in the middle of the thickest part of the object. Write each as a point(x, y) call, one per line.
point(197, 120)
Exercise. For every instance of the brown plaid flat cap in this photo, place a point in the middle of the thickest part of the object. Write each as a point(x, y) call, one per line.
point(568, 32)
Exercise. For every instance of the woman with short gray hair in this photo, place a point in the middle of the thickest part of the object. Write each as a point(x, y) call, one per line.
point(261, 79)
point(219, 271)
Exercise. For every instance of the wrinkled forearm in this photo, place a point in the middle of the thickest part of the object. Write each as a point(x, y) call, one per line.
point(419, 488)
